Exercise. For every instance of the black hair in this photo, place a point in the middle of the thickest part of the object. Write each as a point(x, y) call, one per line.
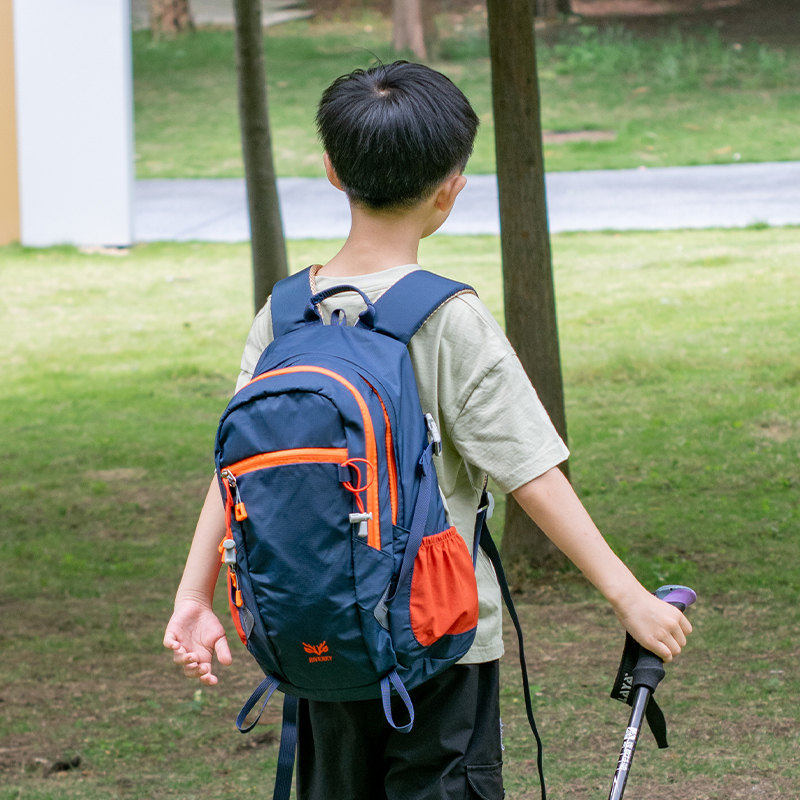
point(394, 132)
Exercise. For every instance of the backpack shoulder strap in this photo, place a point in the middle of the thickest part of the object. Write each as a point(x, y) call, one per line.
point(405, 307)
point(289, 299)
point(400, 312)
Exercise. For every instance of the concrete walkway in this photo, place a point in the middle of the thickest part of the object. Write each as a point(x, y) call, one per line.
point(727, 196)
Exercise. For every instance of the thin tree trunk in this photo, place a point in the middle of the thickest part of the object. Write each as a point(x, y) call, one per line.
point(408, 27)
point(266, 230)
point(527, 269)
point(564, 7)
point(169, 17)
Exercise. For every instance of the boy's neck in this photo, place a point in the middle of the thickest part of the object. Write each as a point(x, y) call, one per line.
point(377, 242)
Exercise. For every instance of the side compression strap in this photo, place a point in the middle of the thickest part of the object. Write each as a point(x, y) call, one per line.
point(490, 548)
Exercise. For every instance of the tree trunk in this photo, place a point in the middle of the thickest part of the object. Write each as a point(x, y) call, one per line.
point(169, 17)
point(564, 7)
point(527, 269)
point(266, 230)
point(408, 27)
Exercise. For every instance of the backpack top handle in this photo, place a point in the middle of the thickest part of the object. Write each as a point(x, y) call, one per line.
point(313, 313)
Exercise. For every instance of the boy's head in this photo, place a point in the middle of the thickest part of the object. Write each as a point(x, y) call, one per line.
point(394, 132)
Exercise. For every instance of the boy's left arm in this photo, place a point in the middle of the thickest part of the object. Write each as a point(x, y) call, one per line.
point(553, 505)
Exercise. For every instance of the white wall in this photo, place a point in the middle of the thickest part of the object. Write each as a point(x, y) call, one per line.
point(74, 121)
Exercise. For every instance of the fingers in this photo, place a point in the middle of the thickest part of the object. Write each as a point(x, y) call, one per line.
point(196, 665)
point(664, 651)
point(674, 639)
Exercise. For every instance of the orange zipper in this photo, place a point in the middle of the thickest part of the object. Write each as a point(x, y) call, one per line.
point(390, 462)
point(280, 458)
point(373, 503)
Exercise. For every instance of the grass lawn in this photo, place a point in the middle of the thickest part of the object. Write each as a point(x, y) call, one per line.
point(663, 101)
point(681, 372)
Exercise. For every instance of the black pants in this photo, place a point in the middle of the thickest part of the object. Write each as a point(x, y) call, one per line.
point(347, 751)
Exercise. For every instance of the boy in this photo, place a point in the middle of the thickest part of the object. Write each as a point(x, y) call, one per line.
point(397, 139)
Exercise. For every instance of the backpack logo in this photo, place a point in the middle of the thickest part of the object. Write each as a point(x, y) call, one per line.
point(317, 652)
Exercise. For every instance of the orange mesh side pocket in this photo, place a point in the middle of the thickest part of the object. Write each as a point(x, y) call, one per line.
point(444, 593)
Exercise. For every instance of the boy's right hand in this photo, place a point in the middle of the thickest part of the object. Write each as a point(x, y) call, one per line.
point(194, 634)
point(659, 627)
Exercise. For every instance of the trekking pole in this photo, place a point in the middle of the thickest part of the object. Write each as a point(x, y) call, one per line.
point(647, 675)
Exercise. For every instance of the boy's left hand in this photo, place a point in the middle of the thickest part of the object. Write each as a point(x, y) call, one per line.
point(194, 634)
point(655, 624)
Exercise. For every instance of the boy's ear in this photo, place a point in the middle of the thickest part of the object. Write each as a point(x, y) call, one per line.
point(331, 172)
point(448, 191)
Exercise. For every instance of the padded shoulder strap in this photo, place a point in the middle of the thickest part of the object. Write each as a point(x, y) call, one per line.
point(403, 309)
point(289, 299)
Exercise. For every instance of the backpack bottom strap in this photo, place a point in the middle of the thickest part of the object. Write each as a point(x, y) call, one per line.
point(283, 777)
point(393, 680)
point(268, 686)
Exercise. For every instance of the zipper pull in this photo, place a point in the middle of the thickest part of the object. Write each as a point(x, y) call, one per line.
point(239, 511)
point(361, 521)
point(229, 553)
point(229, 559)
point(238, 593)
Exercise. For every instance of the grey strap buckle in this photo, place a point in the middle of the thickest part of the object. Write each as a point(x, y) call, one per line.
point(434, 436)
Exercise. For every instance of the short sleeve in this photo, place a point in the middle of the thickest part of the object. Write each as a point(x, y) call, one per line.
point(257, 340)
point(504, 429)
point(486, 402)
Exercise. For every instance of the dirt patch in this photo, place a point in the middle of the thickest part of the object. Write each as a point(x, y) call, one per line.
point(770, 21)
point(648, 8)
point(115, 475)
point(101, 688)
point(565, 137)
point(778, 431)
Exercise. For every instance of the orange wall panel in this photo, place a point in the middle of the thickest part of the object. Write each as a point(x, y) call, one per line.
point(9, 173)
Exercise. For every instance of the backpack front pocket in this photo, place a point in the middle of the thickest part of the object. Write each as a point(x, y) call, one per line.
point(301, 567)
point(444, 592)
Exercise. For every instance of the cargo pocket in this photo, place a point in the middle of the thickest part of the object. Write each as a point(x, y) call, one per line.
point(444, 593)
point(485, 782)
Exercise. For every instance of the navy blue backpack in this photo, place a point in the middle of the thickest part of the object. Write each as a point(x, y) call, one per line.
point(345, 580)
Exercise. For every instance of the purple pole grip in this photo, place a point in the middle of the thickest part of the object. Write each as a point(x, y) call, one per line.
point(681, 594)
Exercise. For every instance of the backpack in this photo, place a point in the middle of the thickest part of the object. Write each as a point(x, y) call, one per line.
point(345, 581)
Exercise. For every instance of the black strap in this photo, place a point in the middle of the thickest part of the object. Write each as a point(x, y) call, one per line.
point(490, 548)
point(641, 668)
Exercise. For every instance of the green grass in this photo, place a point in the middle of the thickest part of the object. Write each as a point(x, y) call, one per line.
point(668, 101)
point(681, 377)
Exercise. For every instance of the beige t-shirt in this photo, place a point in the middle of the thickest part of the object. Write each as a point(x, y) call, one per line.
point(490, 418)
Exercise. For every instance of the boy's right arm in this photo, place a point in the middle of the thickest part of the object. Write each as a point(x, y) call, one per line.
point(551, 502)
point(194, 633)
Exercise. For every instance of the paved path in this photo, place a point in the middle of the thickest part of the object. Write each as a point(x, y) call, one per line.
point(726, 196)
